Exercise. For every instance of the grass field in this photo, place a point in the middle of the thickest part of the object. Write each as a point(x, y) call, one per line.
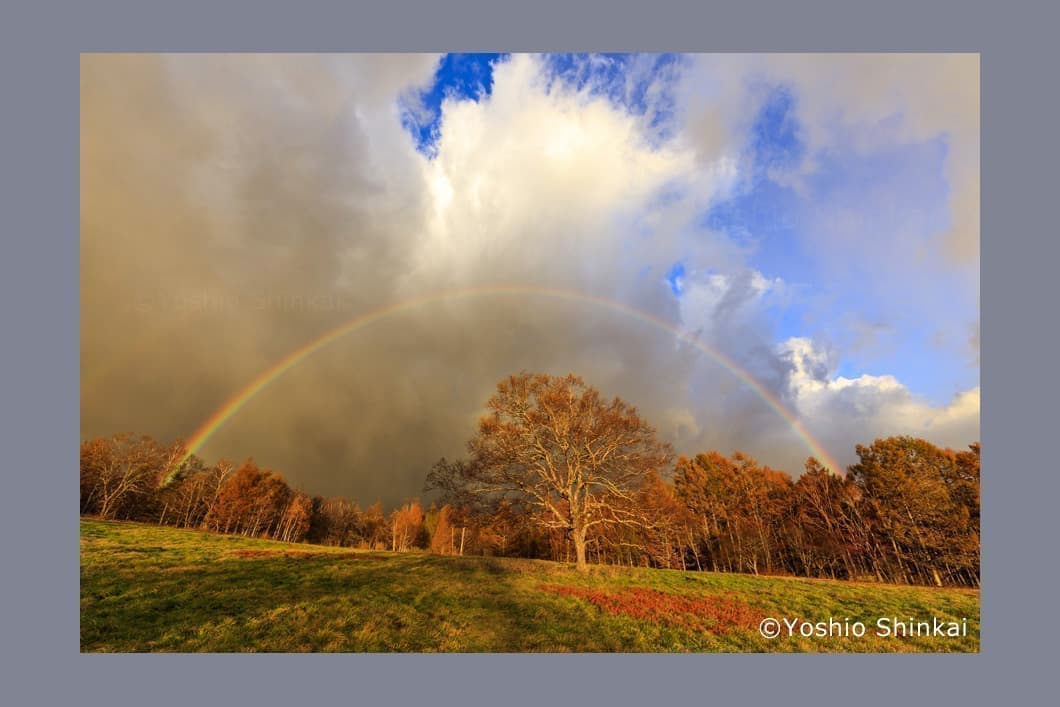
point(146, 588)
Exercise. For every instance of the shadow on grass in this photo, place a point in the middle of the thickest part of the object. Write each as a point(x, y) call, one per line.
point(367, 602)
point(145, 588)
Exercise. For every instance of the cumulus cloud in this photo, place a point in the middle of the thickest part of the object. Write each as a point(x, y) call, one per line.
point(234, 208)
point(839, 409)
point(541, 181)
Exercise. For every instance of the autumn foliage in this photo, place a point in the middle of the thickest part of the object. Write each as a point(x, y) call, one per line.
point(553, 449)
point(557, 472)
point(716, 614)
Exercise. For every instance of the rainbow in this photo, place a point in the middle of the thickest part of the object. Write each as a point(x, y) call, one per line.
point(229, 409)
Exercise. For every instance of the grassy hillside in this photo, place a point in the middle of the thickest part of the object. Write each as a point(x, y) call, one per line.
point(146, 588)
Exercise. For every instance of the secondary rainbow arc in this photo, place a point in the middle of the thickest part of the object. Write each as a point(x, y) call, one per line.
point(234, 404)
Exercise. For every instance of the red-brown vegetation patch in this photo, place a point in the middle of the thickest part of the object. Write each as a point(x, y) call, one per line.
point(254, 553)
point(716, 614)
point(296, 554)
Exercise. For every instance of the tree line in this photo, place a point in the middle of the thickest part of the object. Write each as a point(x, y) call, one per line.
point(557, 472)
point(137, 478)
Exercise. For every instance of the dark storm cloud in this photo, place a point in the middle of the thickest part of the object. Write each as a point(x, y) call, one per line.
point(234, 208)
point(217, 223)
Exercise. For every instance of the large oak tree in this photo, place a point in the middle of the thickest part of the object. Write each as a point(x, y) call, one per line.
point(555, 447)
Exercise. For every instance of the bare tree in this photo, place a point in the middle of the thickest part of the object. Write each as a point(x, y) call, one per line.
point(553, 446)
point(117, 471)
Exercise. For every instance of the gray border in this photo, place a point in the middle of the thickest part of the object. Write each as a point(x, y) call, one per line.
point(39, 377)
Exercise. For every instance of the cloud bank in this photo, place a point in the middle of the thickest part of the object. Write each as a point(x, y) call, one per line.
point(234, 208)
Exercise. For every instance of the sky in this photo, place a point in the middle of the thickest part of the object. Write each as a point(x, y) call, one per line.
point(797, 234)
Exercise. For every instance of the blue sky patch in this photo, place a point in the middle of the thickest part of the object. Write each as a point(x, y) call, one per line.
point(854, 212)
point(640, 83)
point(460, 77)
point(775, 134)
point(676, 279)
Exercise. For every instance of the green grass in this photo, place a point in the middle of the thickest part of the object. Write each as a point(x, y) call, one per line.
point(147, 588)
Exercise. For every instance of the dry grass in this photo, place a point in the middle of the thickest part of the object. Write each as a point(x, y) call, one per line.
point(146, 588)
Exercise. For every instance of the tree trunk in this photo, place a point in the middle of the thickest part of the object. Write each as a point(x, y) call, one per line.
point(579, 550)
point(695, 551)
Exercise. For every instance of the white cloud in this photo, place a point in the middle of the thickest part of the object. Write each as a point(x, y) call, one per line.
point(294, 176)
point(844, 412)
point(715, 302)
point(535, 184)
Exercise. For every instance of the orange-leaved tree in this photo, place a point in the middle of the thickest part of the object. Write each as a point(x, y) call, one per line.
point(556, 448)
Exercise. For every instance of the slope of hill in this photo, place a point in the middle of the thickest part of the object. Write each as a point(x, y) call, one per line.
point(147, 588)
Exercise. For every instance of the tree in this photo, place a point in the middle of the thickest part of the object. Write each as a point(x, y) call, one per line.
point(665, 541)
point(179, 485)
point(118, 473)
point(251, 502)
point(820, 500)
point(920, 497)
point(376, 528)
point(707, 487)
point(442, 532)
point(296, 518)
point(741, 506)
point(406, 526)
point(336, 521)
point(555, 448)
